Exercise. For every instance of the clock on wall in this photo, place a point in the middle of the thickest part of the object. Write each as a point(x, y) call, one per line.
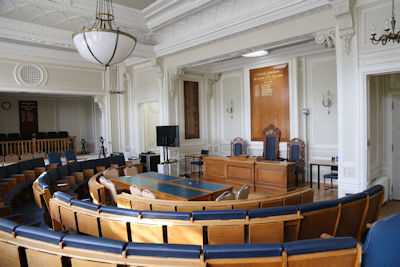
point(5, 105)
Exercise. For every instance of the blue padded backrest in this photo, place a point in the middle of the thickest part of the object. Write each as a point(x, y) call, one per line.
point(238, 149)
point(12, 169)
point(53, 174)
point(3, 173)
point(295, 153)
point(270, 148)
point(351, 198)
point(373, 190)
point(94, 243)
point(275, 211)
point(105, 162)
point(242, 251)
point(117, 159)
point(63, 197)
point(39, 234)
point(319, 245)
point(119, 211)
point(74, 167)
point(42, 182)
point(318, 205)
point(54, 157)
point(7, 225)
point(88, 164)
point(164, 250)
point(84, 204)
point(25, 165)
point(69, 155)
point(63, 171)
point(39, 162)
point(204, 152)
point(381, 247)
point(218, 214)
point(171, 215)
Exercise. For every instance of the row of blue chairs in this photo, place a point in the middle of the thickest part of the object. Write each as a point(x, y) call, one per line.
point(29, 136)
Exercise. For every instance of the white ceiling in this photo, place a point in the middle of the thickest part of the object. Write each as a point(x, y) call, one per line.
point(162, 27)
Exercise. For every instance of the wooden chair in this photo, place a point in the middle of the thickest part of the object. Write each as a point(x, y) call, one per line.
point(243, 192)
point(111, 173)
point(227, 195)
point(131, 170)
point(111, 191)
point(135, 190)
point(148, 194)
point(26, 156)
point(11, 158)
point(39, 154)
point(333, 175)
point(296, 153)
point(238, 147)
point(271, 136)
point(375, 199)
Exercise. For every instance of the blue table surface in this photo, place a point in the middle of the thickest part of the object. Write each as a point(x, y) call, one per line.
point(141, 182)
point(201, 185)
point(157, 176)
point(178, 191)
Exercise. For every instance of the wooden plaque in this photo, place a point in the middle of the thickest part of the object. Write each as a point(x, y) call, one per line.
point(269, 92)
point(191, 98)
point(28, 120)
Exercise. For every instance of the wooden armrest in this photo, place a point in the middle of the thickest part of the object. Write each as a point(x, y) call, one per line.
point(20, 178)
point(368, 225)
point(325, 235)
point(78, 176)
point(70, 179)
point(62, 181)
point(12, 182)
point(62, 187)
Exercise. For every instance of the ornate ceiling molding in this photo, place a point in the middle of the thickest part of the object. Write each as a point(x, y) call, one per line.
point(326, 38)
point(343, 11)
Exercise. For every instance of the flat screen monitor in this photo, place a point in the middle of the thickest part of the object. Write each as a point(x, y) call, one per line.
point(168, 135)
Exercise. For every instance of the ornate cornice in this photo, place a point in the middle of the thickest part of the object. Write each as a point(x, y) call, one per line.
point(326, 38)
point(212, 78)
point(343, 11)
point(176, 74)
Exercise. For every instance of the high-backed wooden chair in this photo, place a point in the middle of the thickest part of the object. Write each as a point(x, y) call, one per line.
point(27, 156)
point(111, 191)
point(375, 199)
point(39, 154)
point(11, 158)
point(295, 153)
point(243, 192)
point(111, 173)
point(271, 136)
point(130, 170)
point(238, 147)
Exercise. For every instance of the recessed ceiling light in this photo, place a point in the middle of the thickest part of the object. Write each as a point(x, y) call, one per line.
point(259, 53)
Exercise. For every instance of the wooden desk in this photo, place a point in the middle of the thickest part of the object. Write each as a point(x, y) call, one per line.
point(275, 176)
point(320, 163)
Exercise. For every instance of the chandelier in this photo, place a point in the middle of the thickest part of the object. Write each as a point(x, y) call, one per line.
point(104, 43)
point(388, 35)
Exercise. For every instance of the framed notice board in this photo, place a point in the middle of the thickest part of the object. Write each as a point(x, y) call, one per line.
point(28, 119)
point(269, 99)
point(191, 98)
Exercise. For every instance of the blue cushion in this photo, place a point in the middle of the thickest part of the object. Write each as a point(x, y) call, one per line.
point(7, 225)
point(12, 169)
point(319, 245)
point(119, 211)
point(164, 250)
point(53, 175)
point(318, 205)
point(42, 184)
point(39, 234)
point(69, 155)
point(331, 176)
point(63, 197)
point(39, 162)
point(105, 162)
point(88, 164)
point(270, 148)
point(373, 190)
point(63, 171)
point(218, 214)
point(74, 167)
point(94, 243)
point(54, 157)
point(3, 173)
point(295, 153)
point(242, 250)
point(25, 165)
point(84, 204)
point(351, 198)
point(152, 214)
point(238, 149)
point(381, 247)
point(117, 159)
point(275, 211)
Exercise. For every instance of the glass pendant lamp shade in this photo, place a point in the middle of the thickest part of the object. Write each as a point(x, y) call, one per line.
point(102, 44)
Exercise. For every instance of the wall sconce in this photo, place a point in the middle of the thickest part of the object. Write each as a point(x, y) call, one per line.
point(328, 103)
point(229, 108)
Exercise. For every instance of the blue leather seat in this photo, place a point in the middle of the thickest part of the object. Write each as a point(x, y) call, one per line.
point(353, 197)
point(12, 169)
point(117, 159)
point(373, 190)
point(171, 215)
point(94, 243)
point(229, 251)
point(163, 250)
point(39, 234)
point(63, 171)
point(270, 148)
point(25, 165)
point(63, 197)
point(74, 167)
point(7, 225)
point(319, 245)
point(218, 214)
point(119, 211)
point(381, 247)
point(318, 205)
point(84, 204)
point(53, 175)
point(54, 157)
point(3, 173)
point(39, 162)
point(275, 211)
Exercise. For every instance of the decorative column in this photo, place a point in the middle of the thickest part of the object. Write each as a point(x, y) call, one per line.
point(212, 78)
point(100, 100)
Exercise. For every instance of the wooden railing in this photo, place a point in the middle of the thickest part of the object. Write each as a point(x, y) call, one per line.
point(32, 146)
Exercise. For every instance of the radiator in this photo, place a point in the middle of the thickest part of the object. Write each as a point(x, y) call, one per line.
point(385, 182)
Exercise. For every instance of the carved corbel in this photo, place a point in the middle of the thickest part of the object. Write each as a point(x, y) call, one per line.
point(326, 38)
point(175, 75)
point(100, 101)
point(212, 78)
point(343, 11)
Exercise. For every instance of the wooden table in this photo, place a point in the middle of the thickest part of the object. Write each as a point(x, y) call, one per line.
point(320, 163)
point(171, 187)
point(193, 156)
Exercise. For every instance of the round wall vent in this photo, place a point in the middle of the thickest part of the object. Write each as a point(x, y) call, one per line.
point(31, 75)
